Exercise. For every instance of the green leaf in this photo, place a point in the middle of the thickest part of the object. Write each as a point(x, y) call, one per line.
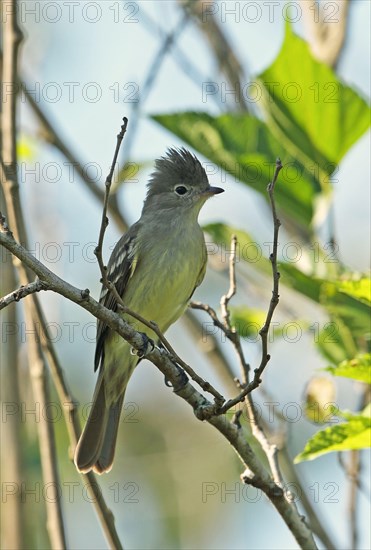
point(301, 282)
point(360, 289)
point(354, 434)
point(358, 368)
point(244, 146)
point(354, 313)
point(309, 109)
point(335, 341)
point(248, 321)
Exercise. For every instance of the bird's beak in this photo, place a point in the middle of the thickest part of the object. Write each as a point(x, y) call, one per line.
point(211, 191)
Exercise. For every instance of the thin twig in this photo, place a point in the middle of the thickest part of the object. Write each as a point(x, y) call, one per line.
point(21, 292)
point(104, 223)
point(225, 325)
point(232, 284)
point(271, 450)
point(212, 313)
point(229, 332)
point(273, 303)
point(232, 334)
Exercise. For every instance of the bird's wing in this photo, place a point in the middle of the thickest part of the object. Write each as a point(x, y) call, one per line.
point(120, 269)
point(201, 275)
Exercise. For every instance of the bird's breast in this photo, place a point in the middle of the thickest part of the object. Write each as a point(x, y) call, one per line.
point(165, 277)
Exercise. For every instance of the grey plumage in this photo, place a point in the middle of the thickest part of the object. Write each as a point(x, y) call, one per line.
point(156, 267)
point(177, 166)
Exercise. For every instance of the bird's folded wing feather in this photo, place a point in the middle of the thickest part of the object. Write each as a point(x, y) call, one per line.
point(120, 268)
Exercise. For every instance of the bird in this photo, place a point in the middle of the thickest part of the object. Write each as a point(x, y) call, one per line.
point(156, 267)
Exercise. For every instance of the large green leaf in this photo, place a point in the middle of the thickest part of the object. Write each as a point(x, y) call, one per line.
point(244, 146)
point(353, 434)
point(315, 115)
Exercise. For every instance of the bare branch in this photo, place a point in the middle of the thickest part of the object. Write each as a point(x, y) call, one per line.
point(232, 284)
point(270, 449)
point(104, 223)
point(232, 334)
point(273, 303)
point(20, 293)
point(225, 326)
point(257, 431)
point(255, 473)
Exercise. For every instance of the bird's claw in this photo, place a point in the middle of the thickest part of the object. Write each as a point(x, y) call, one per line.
point(147, 347)
point(181, 380)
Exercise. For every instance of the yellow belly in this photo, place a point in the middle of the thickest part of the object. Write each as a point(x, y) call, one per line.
point(159, 290)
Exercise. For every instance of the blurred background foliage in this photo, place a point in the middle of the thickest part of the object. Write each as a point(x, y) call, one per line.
point(175, 483)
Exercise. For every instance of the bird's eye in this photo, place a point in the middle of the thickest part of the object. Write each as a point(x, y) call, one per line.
point(181, 190)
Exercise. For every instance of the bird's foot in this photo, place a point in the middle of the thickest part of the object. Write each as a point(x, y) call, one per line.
point(180, 382)
point(147, 347)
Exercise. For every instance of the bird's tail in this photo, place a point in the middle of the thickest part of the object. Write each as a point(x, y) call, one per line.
point(96, 447)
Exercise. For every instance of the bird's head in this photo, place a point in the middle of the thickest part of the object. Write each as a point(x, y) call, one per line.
point(179, 182)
